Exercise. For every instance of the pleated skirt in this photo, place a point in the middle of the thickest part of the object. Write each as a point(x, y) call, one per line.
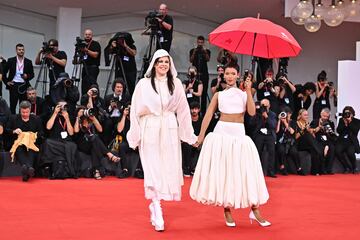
point(229, 172)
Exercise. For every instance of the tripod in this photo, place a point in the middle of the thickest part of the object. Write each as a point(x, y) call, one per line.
point(154, 43)
point(115, 58)
point(43, 74)
point(78, 60)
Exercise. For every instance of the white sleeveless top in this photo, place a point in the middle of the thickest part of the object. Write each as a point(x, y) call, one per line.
point(232, 100)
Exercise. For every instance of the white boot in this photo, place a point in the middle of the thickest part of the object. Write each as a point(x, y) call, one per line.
point(159, 221)
point(152, 214)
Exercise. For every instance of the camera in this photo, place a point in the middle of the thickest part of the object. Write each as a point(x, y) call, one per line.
point(345, 114)
point(283, 115)
point(327, 128)
point(80, 43)
point(191, 75)
point(262, 109)
point(89, 112)
point(246, 74)
point(46, 48)
point(150, 19)
point(222, 78)
point(68, 82)
point(94, 92)
point(63, 107)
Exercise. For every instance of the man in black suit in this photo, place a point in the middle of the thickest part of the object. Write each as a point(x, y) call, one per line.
point(18, 72)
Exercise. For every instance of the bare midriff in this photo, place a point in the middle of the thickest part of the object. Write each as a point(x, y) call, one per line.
point(233, 117)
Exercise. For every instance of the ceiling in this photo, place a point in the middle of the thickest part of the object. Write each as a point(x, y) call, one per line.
point(210, 10)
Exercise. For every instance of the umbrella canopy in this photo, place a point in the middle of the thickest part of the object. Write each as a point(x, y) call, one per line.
point(255, 37)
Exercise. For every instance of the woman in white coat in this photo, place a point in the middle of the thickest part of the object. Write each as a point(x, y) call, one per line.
point(159, 119)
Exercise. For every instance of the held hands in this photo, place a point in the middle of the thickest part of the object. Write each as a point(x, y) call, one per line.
point(17, 131)
point(199, 141)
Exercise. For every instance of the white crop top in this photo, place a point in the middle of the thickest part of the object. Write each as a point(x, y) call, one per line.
point(232, 100)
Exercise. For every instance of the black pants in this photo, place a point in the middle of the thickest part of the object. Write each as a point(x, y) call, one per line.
point(89, 77)
point(328, 160)
point(284, 151)
point(16, 95)
point(95, 148)
point(268, 142)
point(25, 157)
point(190, 157)
point(345, 151)
point(165, 45)
point(204, 95)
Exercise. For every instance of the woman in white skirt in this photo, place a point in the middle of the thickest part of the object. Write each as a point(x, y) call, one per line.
point(228, 172)
point(159, 119)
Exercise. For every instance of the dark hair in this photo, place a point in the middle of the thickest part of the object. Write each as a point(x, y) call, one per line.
point(194, 104)
point(219, 66)
point(54, 42)
point(349, 109)
point(269, 70)
point(19, 45)
point(170, 78)
point(232, 65)
point(287, 109)
point(309, 86)
point(321, 76)
point(116, 81)
point(201, 38)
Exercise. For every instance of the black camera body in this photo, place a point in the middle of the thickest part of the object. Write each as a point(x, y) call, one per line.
point(246, 74)
point(80, 43)
point(222, 78)
point(150, 19)
point(46, 48)
point(261, 109)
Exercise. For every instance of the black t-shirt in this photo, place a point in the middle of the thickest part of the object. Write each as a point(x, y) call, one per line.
point(190, 97)
point(288, 99)
point(197, 126)
point(56, 69)
point(200, 61)
point(214, 83)
point(284, 135)
point(58, 127)
point(95, 47)
point(167, 34)
point(127, 60)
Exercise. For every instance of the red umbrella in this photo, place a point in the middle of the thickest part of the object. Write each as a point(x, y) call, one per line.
point(255, 37)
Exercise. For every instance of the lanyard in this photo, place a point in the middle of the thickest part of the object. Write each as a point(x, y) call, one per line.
point(34, 108)
point(20, 64)
point(89, 44)
point(62, 125)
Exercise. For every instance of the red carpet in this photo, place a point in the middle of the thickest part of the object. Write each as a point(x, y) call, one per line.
point(322, 207)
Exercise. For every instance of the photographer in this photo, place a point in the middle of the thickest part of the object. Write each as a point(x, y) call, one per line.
point(4, 118)
point(302, 97)
point(64, 89)
point(192, 86)
point(17, 74)
point(348, 143)
point(225, 57)
point(264, 136)
point(90, 57)
point(218, 84)
point(305, 141)
point(59, 152)
point(324, 130)
point(86, 129)
point(287, 90)
point(92, 100)
point(199, 57)
point(269, 89)
point(38, 105)
point(54, 59)
point(324, 90)
point(123, 49)
point(165, 26)
point(248, 76)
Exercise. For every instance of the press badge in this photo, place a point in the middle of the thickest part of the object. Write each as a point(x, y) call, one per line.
point(126, 58)
point(264, 131)
point(287, 101)
point(266, 94)
point(346, 136)
point(64, 135)
point(323, 102)
point(161, 39)
point(324, 138)
point(189, 95)
point(85, 56)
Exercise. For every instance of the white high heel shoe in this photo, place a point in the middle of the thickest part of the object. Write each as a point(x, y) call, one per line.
point(159, 220)
point(229, 224)
point(252, 218)
point(152, 214)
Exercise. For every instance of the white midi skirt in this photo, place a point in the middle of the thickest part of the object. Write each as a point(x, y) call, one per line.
point(229, 172)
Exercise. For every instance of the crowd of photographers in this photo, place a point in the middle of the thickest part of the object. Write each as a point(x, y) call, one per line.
point(89, 139)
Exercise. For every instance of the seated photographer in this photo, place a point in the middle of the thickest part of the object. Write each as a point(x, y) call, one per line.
point(218, 84)
point(122, 47)
point(269, 89)
point(64, 89)
point(324, 130)
point(54, 59)
point(305, 141)
point(302, 97)
point(26, 131)
point(88, 141)
point(5, 114)
point(287, 90)
point(248, 76)
point(193, 87)
point(265, 137)
point(324, 90)
point(190, 154)
point(58, 157)
point(93, 100)
point(348, 144)
point(285, 143)
point(38, 105)
point(115, 102)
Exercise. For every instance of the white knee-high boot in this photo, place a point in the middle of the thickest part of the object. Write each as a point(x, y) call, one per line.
point(157, 216)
